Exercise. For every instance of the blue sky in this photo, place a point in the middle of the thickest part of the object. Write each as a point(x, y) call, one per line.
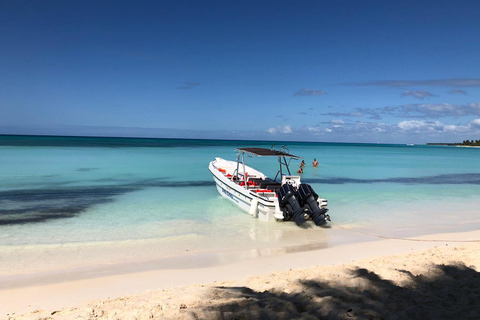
point(333, 71)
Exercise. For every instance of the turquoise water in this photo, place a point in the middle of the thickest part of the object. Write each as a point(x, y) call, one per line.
point(71, 202)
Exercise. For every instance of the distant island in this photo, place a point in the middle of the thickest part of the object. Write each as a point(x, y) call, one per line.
point(466, 143)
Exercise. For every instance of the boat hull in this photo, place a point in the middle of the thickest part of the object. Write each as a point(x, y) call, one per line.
point(266, 209)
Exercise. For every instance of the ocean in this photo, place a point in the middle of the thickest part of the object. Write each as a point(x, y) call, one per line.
point(68, 203)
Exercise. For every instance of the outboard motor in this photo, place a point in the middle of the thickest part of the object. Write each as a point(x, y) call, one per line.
point(309, 198)
point(288, 200)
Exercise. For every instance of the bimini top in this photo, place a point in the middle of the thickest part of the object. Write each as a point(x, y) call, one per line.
point(262, 152)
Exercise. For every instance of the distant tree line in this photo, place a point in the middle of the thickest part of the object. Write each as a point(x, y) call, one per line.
point(470, 143)
point(464, 143)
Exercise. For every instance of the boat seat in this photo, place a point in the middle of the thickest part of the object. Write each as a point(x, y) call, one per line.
point(267, 183)
point(264, 183)
point(272, 187)
point(257, 180)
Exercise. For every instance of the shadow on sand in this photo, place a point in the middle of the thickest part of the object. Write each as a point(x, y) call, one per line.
point(444, 292)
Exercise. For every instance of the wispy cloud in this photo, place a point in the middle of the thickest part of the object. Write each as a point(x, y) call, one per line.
point(421, 110)
point(286, 129)
point(417, 94)
point(457, 91)
point(189, 85)
point(475, 123)
point(359, 128)
point(458, 82)
point(439, 110)
point(314, 130)
point(343, 114)
point(422, 127)
point(309, 92)
point(406, 131)
point(373, 114)
point(403, 131)
point(370, 113)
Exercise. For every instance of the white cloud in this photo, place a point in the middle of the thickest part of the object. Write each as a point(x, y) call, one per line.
point(437, 127)
point(421, 125)
point(456, 129)
point(337, 121)
point(450, 127)
point(413, 124)
point(286, 129)
point(404, 131)
point(475, 123)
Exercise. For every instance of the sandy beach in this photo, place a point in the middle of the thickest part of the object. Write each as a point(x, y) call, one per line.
point(431, 277)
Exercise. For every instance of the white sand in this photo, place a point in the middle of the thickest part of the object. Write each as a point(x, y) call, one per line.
point(392, 279)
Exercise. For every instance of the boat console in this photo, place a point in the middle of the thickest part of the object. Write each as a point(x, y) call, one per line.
point(294, 181)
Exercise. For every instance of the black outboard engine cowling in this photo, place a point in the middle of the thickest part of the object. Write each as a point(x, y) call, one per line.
point(287, 198)
point(309, 199)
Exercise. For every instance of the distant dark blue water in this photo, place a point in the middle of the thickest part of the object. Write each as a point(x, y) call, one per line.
point(111, 142)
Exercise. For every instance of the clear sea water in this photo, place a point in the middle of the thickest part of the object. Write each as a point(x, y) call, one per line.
point(70, 202)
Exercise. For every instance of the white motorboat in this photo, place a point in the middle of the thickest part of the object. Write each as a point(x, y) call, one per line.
point(268, 199)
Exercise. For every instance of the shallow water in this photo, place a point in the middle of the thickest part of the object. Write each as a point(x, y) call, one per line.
point(72, 202)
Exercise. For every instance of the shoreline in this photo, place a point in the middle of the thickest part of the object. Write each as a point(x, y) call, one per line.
point(60, 263)
point(80, 293)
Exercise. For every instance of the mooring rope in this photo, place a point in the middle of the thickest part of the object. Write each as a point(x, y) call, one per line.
point(395, 238)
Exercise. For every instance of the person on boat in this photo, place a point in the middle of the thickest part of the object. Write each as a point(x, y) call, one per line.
point(315, 163)
point(300, 170)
